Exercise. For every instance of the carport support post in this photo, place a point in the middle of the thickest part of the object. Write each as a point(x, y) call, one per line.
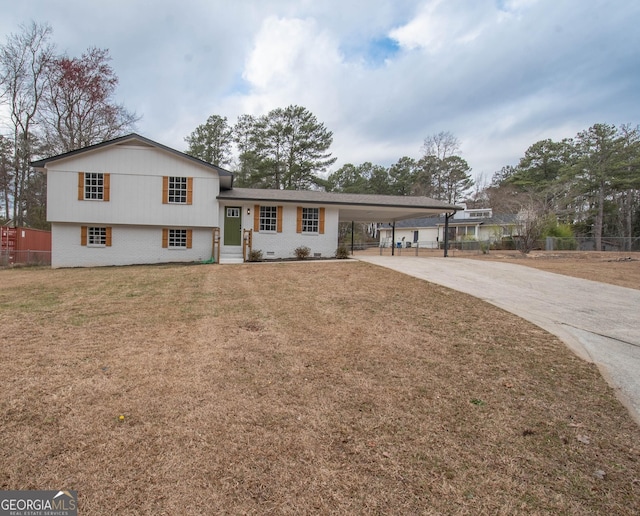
point(352, 229)
point(393, 238)
point(446, 233)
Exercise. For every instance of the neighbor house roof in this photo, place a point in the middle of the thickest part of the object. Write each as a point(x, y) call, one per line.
point(226, 177)
point(499, 219)
point(352, 207)
point(423, 222)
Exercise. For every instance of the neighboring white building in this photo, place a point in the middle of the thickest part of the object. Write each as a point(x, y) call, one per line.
point(132, 201)
point(467, 225)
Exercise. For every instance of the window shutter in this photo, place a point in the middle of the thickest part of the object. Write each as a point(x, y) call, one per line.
point(106, 187)
point(165, 190)
point(321, 222)
point(299, 220)
point(189, 190)
point(83, 235)
point(279, 227)
point(81, 186)
point(165, 238)
point(189, 238)
point(108, 237)
point(256, 218)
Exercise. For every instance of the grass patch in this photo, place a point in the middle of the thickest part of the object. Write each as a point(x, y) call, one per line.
point(326, 387)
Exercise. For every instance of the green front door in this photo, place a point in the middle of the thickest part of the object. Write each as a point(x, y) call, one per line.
point(232, 226)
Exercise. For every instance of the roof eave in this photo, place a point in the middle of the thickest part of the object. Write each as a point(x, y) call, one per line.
point(42, 164)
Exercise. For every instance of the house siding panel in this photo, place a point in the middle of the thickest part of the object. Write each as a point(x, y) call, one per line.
point(135, 189)
point(129, 245)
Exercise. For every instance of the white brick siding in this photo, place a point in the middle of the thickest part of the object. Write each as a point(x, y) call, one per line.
point(281, 245)
point(130, 245)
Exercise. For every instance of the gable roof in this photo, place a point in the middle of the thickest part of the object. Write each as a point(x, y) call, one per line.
point(352, 207)
point(226, 177)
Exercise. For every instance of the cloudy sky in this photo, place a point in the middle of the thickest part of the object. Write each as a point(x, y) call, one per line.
point(381, 74)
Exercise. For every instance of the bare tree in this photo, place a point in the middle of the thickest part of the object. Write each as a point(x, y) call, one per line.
point(24, 61)
point(441, 173)
point(78, 109)
point(441, 145)
point(6, 176)
point(532, 219)
point(478, 198)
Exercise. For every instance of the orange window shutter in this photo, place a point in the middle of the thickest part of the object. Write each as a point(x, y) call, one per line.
point(165, 238)
point(83, 235)
point(106, 196)
point(256, 217)
point(189, 238)
point(165, 190)
point(189, 190)
point(279, 227)
point(81, 186)
point(299, 220)
point(108, 237)
point(321, 222)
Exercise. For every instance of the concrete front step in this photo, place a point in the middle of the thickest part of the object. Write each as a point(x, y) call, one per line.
point(233, 255)
point(230, 259)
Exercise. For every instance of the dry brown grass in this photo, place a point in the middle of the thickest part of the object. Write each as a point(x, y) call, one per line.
point(293, 388)
point(622, 269)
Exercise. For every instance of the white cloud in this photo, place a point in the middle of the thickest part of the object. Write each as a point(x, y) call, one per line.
point(442, 23)
point(290, 56)
point(499, 74)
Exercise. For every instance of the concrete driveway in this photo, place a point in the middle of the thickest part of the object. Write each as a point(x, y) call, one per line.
point(599, 322)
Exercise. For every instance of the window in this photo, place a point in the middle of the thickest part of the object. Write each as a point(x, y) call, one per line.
point(177, 190)
point(93, 186)
point(268, 218)
point(460, 232)
point(176, 238)
point(233, 213)
point(95, 236)
point(310, 220)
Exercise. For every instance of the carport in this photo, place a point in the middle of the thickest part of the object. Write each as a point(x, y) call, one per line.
point(385, 208)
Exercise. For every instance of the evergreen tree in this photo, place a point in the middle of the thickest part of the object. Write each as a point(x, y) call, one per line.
point(284, 149)
point(211, 141)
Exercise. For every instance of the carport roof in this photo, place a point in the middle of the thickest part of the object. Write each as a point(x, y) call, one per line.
point(352, 207)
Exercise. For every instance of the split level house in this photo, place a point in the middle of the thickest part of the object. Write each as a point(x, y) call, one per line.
point(134, 201)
